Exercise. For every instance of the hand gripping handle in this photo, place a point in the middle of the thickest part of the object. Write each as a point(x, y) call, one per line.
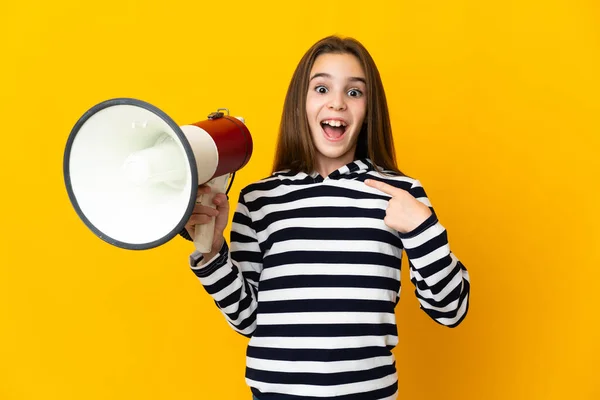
point(204, 233)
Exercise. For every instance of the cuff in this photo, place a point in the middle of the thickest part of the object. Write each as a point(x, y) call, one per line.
point(428, 223)
point(211, 265)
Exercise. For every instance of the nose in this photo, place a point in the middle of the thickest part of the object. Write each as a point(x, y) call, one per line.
point(337, 102)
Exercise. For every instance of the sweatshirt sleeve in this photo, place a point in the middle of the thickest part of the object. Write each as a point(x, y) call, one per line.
point(231, 277)
point(441, 281)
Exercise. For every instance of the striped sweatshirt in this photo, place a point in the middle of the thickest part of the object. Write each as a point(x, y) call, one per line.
point(312, 276)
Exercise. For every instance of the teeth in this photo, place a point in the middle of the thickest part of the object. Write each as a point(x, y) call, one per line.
point(334, 123)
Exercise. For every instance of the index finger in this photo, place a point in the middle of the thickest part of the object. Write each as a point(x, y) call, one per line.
point(382, 186)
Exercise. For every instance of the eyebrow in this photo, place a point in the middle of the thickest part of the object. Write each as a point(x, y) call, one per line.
point(326, 75)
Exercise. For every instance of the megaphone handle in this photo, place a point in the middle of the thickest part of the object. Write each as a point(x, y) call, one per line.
point(204, 233)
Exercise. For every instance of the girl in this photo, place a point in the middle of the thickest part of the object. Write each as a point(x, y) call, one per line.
point(312, 274)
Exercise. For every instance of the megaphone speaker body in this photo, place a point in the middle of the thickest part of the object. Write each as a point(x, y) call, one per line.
point(132, 173)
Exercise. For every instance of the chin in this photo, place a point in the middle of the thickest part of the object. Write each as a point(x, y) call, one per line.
point(334, 154)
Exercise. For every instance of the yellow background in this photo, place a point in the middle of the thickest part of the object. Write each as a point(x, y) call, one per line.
point(495, 107)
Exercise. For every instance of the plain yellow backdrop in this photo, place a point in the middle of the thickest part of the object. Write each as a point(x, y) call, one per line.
point(495, 108)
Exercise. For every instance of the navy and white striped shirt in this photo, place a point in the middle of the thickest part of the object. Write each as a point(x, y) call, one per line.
point(313, 276)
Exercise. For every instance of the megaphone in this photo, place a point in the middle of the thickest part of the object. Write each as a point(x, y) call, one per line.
point(132, 173)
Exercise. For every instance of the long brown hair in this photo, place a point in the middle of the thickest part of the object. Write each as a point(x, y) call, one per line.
point(295, 148)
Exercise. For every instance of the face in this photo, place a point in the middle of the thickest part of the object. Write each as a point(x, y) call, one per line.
point(335, 107)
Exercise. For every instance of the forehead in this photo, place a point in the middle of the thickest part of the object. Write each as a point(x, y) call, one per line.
point(338, 66)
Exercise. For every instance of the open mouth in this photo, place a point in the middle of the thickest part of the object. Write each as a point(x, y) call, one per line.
point(334, 129)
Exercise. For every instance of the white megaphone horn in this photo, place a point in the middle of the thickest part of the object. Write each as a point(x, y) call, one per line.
point(132, 173)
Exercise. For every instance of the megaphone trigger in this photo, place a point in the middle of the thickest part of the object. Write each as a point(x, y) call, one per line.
point(204, 234)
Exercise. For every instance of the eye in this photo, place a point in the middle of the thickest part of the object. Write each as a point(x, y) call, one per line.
point(321, 89)
point(354, 93)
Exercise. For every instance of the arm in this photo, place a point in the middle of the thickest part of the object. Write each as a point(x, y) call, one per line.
point(441, 281)
point(231, 276)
